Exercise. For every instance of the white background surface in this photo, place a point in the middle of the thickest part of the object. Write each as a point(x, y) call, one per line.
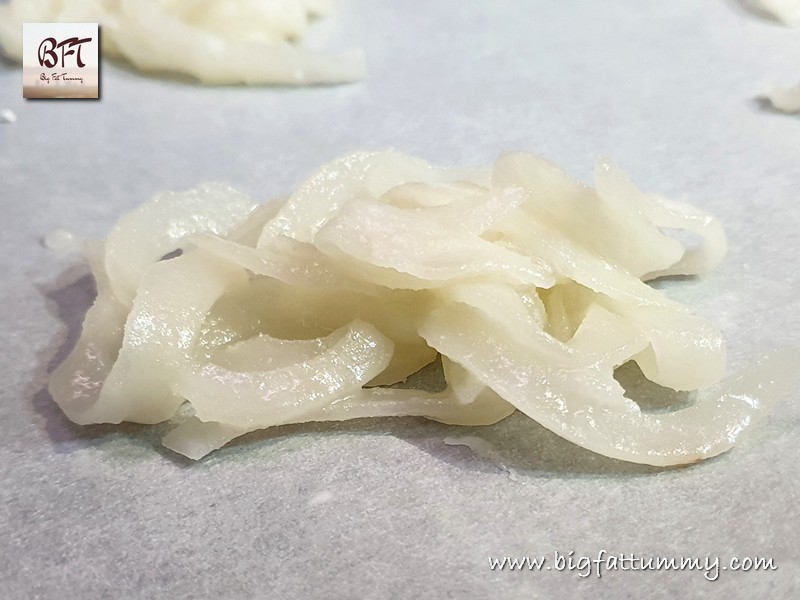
point(663, 87)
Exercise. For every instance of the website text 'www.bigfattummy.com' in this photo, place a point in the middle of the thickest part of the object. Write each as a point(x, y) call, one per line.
point(603, 562)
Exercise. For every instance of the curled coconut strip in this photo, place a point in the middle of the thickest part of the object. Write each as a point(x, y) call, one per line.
point(584, 404)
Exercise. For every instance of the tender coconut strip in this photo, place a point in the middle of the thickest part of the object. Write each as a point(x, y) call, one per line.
point(625, 222)
point(502, 304)
point(160, 333)
point(616, 188)
point(595, 343)
point(352, 177)
point(283, 311)
point(695, 261)
point(350, 357)
point(323, 194)
point(263, 353)
point(143, 236)
point(477, 211)
point(195, 438)
point(566, 305)
point(587, 407)
point(550, 351)
point(248, 231)
point(266, 353)
point(405, 249)
point(469, 206)
point(286, 260)
point(265, 262)
point(462, 195)
point(685, 351)
point(787, 11)
point(609, 338)
point(621, 234)
point(499, 205)
point(76, 384)
point(785, 99)
point(463, 385)
point(465, 402)
point(245, 20)
point(570, 261)
point(486, 409)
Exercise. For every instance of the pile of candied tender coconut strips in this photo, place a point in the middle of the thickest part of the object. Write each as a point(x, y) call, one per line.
point(213, 41)
point(528, 285)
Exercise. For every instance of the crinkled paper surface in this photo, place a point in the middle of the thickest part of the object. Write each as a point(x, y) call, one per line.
point(387, 509)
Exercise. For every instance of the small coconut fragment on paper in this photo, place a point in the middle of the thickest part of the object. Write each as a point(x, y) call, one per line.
point(785, 99)
point(61, 240)
point(786, 11)
point(484, 449)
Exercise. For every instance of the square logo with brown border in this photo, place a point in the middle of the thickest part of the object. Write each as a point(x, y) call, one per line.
point(60, 60)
